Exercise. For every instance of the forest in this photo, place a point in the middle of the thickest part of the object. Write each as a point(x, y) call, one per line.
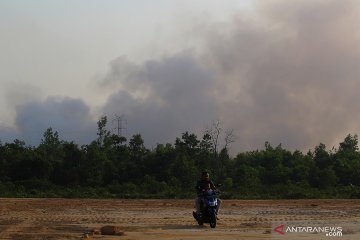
point(112, 166)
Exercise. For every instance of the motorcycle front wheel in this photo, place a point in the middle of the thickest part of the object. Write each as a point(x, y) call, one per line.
point(213, 220)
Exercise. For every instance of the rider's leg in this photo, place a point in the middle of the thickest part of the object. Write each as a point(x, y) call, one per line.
point(197, 204)
point(218, 205)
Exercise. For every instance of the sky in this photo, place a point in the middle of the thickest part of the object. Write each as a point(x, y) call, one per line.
point(282, 71)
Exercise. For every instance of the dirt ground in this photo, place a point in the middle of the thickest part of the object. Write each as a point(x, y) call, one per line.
point(22, 219)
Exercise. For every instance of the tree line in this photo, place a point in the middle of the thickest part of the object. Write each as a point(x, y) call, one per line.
point(113, 167)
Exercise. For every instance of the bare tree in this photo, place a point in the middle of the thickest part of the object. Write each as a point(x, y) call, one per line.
point(229, 138)
point(214, 132)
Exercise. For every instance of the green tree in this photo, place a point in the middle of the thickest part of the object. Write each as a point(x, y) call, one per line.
point(350, 143)
point(138, 155)
point(205, 154)
point(159, 161)
point(321, 157)
point(93, 166)
point(50, 153)
point(103, 133)
point(347, 161)
point(184, 169)
point(70, 173)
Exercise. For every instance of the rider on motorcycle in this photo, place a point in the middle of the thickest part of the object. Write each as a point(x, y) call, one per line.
point(202, 185)
point(208, 191)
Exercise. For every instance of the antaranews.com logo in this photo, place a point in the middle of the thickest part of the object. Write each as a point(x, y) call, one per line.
point(332, 231)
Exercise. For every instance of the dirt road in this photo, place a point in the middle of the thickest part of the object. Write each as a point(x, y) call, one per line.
point(172, 219)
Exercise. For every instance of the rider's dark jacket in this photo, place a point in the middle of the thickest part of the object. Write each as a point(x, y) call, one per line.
point(200, 186)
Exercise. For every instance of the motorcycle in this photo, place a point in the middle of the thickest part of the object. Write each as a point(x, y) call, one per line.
point(208, 207)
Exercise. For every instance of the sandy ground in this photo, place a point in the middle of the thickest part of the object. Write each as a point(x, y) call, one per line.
point(172, 219)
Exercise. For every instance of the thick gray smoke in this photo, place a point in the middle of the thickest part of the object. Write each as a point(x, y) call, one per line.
point(162, 98)
point(70, 117)
point(287, 74)
point(297, 69)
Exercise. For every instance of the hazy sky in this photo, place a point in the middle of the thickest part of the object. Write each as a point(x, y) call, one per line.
point(283, 71)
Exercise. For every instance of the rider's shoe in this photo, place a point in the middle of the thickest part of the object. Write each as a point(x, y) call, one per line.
point(195, 215)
